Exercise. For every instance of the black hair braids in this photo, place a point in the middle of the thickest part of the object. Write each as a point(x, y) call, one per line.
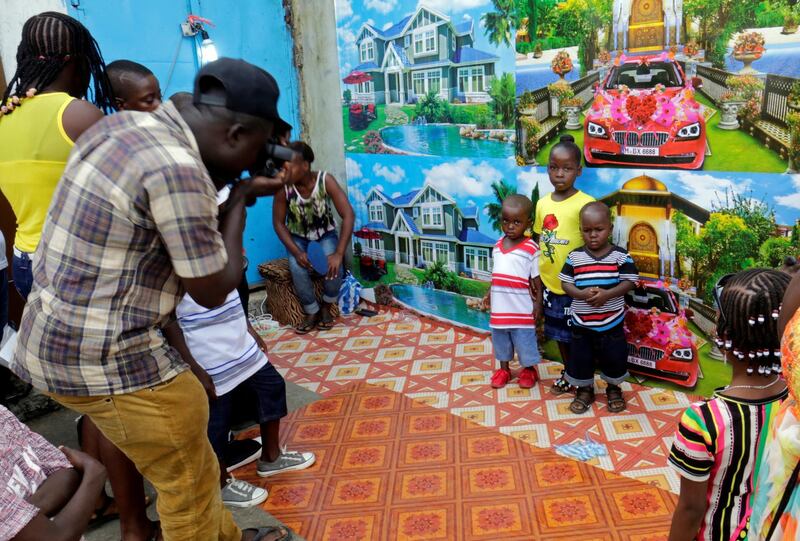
point(49, 41)
point(748, 324)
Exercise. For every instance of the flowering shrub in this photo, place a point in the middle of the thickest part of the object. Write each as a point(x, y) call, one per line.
point(793, 120)
point(373, 142)
point(526, 100)
point(562, 63)
point(532, 128)
point(604, 57)
point(561, 90)
point(572, 102)
point(744, 85)
point(794, 93)
point(749, 43)
point(691, 48)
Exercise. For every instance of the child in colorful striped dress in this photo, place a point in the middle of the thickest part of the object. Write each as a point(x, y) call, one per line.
point(719, 445)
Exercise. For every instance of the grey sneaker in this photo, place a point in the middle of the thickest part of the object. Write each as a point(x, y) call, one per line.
point(288, 461)
point(238, 493)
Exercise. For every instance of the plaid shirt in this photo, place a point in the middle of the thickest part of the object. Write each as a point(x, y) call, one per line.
point(26, 460)
point(134, 210)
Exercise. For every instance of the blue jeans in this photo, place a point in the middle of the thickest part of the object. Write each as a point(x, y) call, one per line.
point(523, 341)
point(269, 389)
point(3, 301)
point(23, 274)
point(302, 278)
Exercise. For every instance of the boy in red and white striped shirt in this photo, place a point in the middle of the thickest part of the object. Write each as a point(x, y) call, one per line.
point(514, 311)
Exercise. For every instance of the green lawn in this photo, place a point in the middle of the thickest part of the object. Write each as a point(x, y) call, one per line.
point(730, 150)
point(389, 278)
point(715, 373)
point(355, 138)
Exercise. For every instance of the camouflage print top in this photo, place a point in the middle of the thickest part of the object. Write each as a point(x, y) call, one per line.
point(311, 217)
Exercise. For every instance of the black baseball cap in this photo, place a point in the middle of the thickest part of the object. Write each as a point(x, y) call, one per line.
point(248, 89)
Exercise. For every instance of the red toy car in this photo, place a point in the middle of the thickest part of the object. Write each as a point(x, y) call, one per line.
point(660, 343)
point(644, 114)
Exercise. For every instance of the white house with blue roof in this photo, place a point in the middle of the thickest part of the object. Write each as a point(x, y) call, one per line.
point(421, 53)
point(426, 225)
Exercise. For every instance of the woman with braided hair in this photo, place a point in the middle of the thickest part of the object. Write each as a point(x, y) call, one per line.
point(42, 113)
point(719, 445)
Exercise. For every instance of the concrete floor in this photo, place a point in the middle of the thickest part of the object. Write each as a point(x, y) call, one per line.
point(59, 428)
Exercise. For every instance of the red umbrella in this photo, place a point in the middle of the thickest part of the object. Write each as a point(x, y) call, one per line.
point(367, 234)
point(357, 77)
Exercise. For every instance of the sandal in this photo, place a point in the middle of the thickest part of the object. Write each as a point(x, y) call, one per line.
point(307, 325)
point(616, 402)
point(561, 386)
point(326, 322)
point(583, 400)
point(104, 513)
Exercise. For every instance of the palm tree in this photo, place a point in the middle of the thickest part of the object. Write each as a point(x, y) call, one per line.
point(501, 190)
point(499, 24)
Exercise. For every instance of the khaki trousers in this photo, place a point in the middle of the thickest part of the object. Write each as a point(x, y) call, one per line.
point(163, 430)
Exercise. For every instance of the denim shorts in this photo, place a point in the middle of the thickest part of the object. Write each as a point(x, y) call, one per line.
point(557, 318)
point(521, 341)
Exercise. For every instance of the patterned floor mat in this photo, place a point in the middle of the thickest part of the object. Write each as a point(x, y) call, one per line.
point(449, 368)
point(390, 467)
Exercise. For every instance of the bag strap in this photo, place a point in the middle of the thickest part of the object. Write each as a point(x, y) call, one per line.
point(787, 494)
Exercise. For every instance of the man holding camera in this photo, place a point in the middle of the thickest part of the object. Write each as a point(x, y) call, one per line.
point(134, 225)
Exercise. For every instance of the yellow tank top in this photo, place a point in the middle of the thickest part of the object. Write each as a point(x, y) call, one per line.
point(33, 153)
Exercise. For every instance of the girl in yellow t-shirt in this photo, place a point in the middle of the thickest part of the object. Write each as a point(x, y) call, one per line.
point(557, 224)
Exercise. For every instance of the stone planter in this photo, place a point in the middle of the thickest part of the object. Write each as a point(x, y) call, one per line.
point(747, 59)
point(791, 167)
point(730, 111)
point(537, 54)
point(790, 29)
point(573, 117)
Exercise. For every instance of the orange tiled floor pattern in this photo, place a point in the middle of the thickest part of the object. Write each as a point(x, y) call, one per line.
point(390, 467)
point(449, 369)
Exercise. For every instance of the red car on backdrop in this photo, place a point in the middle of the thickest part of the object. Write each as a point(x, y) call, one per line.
point(660, 343)
point(644, 113)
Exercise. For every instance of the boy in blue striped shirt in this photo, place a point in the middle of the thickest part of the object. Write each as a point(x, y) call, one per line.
point(597, 276)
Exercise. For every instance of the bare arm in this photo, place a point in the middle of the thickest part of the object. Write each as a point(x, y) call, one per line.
point(791, 302)
point(598, 297)
point(71, 522)
point(175, 338)
point(690, 510)
point(279, 224)
point(571, 290)
point(345, 210)
point(536, 293)
point(211, 291)
point(54, 493)
point(78, 117)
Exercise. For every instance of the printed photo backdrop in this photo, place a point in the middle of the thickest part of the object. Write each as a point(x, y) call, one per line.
point(692, 200)
point(661, 83)
point(433, 78)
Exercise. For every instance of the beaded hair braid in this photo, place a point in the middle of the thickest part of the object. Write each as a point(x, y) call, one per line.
point(750, 304)
point(49, 41)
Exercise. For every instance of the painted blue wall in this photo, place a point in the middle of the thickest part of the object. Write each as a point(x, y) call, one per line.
point(148, 32)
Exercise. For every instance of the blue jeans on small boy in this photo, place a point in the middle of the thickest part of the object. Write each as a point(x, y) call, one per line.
point(521, 341)
point(608, 349)
point(557, 318)
point(301, 277)
point(22, 269)
point(269, 389)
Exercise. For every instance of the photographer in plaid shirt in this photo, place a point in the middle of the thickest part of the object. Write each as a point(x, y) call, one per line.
point(133, 226)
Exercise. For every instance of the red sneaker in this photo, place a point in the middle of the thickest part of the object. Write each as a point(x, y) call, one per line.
point(500, 378)
point(528, 378)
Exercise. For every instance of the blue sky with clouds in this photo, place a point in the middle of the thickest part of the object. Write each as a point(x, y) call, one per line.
point(352, 14)
point(468, 181)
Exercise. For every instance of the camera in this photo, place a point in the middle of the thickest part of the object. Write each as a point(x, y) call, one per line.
point(272, 158)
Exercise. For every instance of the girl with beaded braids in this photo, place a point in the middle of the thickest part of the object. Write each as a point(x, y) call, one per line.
point(42, 113)
point(719, 445)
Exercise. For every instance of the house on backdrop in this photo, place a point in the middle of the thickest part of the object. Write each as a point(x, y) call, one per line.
point(426, 225)
point(423, 52)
